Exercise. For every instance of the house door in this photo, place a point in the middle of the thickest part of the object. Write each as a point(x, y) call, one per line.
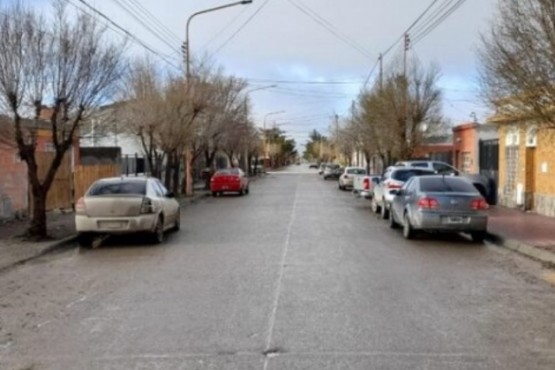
point(530, 189)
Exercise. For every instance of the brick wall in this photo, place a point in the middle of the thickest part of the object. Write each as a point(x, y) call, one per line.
point(465, 139)
point(13, 184)
point(544, 198)
point(543, 194)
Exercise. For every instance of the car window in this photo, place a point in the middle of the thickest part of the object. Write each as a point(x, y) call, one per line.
point(228, 171)
point(161, 188)
point(406, 186)
point(443, 168)
point(405, 174)
point(419, 164)
point(356, 171)
point(446, 184)
point(118, 187)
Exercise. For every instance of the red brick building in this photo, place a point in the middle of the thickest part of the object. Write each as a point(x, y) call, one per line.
point(465, 146)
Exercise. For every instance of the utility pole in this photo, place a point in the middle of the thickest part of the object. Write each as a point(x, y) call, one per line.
point(381, 70)
point(406, 88)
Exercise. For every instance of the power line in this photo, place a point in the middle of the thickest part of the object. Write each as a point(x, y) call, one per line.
point(371, 73)
point(430, 18)
point(127, 33)
point(226, 27)
point(228, 40)
point(139, 19)
point(432, 27)
point(156, 21)
point(301, 82)
point(319, 20)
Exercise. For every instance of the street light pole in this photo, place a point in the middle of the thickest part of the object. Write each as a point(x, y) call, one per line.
point(266, 154)
point(187, 46)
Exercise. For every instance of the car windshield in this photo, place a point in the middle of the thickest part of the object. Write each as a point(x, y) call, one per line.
point(118, 187)
point(356, 171)
point(228, 171)
point(446, 184)
point(405, 174)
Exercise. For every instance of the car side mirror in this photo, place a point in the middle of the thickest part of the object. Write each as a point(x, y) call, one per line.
point(170, 194)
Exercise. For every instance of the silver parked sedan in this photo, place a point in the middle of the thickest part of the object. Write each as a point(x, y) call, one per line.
point(439, 203)
point(124, 205)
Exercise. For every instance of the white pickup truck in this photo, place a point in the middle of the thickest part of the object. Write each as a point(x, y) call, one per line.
point(363, 186)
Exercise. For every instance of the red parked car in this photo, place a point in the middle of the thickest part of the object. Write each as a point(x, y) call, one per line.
point(229, 180)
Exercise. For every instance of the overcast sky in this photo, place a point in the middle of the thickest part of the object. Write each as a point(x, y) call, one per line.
point(282, 43)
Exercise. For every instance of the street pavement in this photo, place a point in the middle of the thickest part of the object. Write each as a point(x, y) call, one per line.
point(296, 275)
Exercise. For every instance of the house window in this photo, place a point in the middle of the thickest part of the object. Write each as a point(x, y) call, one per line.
point(532, 136)
point(511, 163)
point(512, 138)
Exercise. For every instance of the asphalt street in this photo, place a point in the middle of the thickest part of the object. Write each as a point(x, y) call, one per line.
point(296, 275)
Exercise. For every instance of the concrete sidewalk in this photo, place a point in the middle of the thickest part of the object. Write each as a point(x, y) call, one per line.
point(527, 233)
point(15, 250)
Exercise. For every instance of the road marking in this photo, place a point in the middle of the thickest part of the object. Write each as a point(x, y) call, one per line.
point(79, 300)
point(277, 292)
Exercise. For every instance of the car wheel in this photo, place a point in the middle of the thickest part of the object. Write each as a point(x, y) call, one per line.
point(408, 231)
point(478, 237)
point(247, 190)
point(384, 214)
point(85, 240)
point(177, 224)
point(392, 223)
point(214, 193)
point(158, 234)
point(375, 206)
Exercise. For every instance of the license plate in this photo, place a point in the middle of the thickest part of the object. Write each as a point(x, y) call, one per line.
point(455, 220)
point(111, 224)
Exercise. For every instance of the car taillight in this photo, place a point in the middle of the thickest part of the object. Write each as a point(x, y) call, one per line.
point(479, 204)
point(393, 185)
point(427, 203)
point(80, 207)
point(366, 184)
point(146, 206)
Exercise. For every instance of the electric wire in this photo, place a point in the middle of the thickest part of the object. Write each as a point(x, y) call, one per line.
point(156, 21)
point(138, 18)
point(432, 27)
point(126, 32)
point(249, 19)
point(333, 32)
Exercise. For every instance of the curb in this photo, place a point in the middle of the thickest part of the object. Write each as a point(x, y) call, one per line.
point(55, 246)
point(522, 248)
point(193, 199)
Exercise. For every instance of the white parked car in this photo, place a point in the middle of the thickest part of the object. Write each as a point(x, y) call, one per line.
point(346, 180)
point(124, 205)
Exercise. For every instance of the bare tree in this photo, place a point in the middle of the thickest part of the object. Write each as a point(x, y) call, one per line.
point(395, 117)
point(67, 64)
point(518, 60)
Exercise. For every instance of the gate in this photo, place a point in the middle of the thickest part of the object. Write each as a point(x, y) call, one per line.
point(489, 166)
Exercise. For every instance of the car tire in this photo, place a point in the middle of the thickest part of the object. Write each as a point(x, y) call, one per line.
point(247, 190)
point(85, 240)
point(177, 224)
point(158, 233)
point(478, 237)
point(214, 193)
point(408, 231)
point(384, 212)
point(375, 207)
point(392, 223)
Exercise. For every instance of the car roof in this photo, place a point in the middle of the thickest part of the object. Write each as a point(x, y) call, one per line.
point(124, 178)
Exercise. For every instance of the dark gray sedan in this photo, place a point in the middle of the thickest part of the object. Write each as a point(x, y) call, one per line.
point(439, 203)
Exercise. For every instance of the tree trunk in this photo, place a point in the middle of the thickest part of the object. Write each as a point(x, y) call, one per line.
point(175, 179)
point(37, 229)
point(189, 162)
point(168, 171)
